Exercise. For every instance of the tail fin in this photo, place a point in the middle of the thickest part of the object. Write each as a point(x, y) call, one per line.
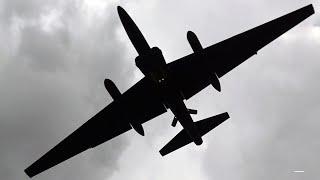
point(203, 126)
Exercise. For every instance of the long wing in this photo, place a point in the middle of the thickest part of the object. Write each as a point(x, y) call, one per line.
point(193, 72)
point(139, 103)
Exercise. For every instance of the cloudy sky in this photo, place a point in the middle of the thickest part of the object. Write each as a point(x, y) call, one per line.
point(54, 56)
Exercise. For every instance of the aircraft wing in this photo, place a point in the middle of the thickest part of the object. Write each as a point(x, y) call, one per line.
point(193, 72)
point(139, 102)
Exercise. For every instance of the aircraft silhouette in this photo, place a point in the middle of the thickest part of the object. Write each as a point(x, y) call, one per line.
point(166, 86)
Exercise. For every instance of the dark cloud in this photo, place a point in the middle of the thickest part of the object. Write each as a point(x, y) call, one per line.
point(54, 63)
point(272, 98)
point(55, 55)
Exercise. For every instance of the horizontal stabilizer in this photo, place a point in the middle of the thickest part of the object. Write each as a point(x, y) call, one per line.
point(203, 126)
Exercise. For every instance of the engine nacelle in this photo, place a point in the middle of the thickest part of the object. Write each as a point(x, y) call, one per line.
point(215, 82)
point(194, 41)
point(150, 62)
point(112, 89)
point(115, 94)
point(138, 128)
point(196, 47)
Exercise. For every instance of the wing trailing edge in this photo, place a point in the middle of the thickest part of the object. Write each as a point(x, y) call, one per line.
point(192, 73)
point(203, 126)
point(239, 48)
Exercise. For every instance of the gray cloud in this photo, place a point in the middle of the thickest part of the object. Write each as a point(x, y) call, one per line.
point(272, 98)
point(25, 9)
point(42, 50)
point(52, 73)
point(273, 128)
point(273, 102)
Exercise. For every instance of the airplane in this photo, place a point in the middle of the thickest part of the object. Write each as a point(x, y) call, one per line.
point(166, 86)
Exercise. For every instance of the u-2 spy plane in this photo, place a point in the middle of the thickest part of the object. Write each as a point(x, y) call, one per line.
point(166, 86)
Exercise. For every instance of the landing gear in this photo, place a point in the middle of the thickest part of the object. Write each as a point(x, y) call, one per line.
point(175, 120)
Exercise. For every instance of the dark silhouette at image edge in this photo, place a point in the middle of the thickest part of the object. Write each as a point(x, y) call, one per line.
point(166, 86)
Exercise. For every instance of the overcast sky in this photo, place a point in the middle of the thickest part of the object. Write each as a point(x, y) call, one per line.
point(54, 56)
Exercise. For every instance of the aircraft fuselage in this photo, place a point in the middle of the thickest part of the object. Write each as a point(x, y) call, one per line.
point(152, 64)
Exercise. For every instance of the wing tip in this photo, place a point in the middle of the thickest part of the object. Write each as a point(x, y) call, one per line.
point(29, 173)
point(310, 8)
point(162, 152)
point(226, 115)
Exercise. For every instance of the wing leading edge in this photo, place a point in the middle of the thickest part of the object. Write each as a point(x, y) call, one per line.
point(95, 131)
point(194, 72)
point(139, 103)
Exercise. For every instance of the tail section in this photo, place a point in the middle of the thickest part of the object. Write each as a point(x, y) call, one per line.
point(203, 126)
